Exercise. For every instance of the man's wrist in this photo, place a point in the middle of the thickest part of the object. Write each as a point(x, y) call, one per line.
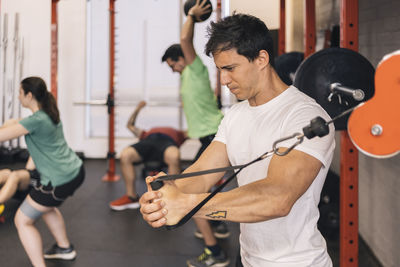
point(193, 17)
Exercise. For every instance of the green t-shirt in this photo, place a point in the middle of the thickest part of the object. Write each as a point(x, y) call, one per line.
point(199, 102)
point(54, 160)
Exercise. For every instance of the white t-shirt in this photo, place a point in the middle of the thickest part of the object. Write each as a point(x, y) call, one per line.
point(248, 132)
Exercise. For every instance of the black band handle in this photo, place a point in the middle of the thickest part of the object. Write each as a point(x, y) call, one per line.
point(158, 183)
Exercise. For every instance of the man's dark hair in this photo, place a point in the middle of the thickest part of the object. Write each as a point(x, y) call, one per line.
point(173, 52)
point(245, 33)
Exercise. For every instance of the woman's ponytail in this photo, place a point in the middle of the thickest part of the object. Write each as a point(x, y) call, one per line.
point(49, 105)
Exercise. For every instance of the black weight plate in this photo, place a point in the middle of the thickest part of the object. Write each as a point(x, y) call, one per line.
point(287, 64)
point(351, 69)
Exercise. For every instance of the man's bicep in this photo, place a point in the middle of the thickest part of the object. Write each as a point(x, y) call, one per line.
point(215, 156)
point(295, 172)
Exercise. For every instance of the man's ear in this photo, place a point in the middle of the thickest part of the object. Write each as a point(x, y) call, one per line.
point(263, 58)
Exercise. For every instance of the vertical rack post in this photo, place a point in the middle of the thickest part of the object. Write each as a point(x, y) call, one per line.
point(282, 29)
point(110, 176)
point(54, 49)
point(309, 28)
point(349, 153)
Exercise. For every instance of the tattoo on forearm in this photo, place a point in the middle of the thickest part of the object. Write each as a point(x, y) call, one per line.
point(217, 214)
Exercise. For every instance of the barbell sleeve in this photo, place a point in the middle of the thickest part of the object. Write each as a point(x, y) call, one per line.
point(357, 94)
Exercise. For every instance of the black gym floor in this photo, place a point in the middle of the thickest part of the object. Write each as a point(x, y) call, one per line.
point(103, 237)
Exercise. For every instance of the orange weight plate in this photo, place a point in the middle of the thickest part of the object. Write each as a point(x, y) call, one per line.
point(374, 127)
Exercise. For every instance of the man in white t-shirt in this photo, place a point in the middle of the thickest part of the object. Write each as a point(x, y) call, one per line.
point(277, 199)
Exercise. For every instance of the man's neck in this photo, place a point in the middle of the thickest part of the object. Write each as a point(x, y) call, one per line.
point(271, 87)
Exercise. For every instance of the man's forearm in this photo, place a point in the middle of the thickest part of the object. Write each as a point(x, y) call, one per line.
point(132, 119)
point(247, 204)
point(198, 184)
point(187, 32)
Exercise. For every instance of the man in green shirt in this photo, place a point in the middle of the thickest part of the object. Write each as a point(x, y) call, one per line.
point(203, 118)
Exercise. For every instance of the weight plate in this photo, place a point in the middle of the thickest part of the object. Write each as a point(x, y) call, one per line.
point(335, 65)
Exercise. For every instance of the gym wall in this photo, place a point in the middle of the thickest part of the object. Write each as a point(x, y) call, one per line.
point(267, 11)
point(294, 20)
point(72, 74)
point(379, 183)
point(35, 32)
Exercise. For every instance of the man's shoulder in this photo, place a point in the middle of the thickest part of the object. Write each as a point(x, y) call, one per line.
point(300, 101)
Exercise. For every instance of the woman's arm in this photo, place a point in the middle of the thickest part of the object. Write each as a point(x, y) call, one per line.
point(8, 132)
point(9, 123)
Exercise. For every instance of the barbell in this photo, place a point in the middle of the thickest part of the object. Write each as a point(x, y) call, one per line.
point(128, 103)
point(338, 79)
point(102, 102)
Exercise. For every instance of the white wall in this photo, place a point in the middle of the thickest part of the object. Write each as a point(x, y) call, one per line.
point(294, 26)
point(34, 28)
point(72, 72)
point(267, 11)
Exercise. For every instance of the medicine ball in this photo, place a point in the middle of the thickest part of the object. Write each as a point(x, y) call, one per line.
point(188, 5)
